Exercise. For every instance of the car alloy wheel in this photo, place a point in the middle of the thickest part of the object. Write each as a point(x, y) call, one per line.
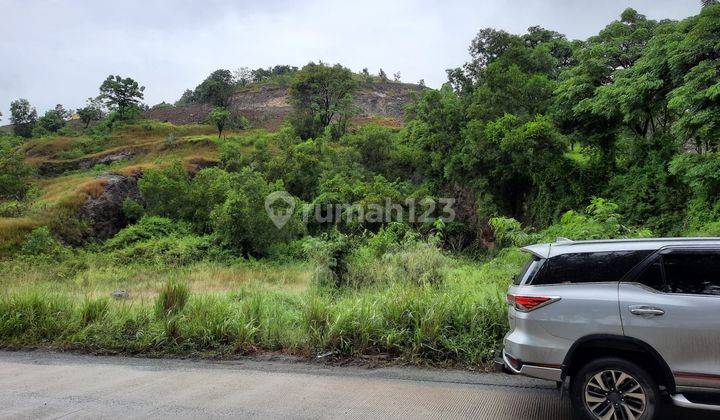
point(614, 395)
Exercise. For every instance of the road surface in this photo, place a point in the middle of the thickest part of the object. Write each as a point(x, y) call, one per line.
point(52, 385)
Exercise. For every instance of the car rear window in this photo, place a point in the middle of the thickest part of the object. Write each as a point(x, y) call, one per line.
point(588, 267)
point(528, 271)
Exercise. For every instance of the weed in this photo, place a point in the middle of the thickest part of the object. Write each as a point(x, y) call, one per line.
point(172, 299)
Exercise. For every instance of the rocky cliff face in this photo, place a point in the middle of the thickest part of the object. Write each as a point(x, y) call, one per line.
point(104, 213)
point(267, 106)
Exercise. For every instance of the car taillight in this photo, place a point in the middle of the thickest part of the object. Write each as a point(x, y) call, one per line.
point(524, 303)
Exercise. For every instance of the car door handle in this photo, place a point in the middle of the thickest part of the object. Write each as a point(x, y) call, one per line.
point(643, 310)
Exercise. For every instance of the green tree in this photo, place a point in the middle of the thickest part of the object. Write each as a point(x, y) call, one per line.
point(23, 117)
point(166, 192)
point(695, 63)
point(216, 88)
point(122, 95)
point(219, 117)
point(90, 112)
point(434, 129)
point(14, 173)
point(242, 221)
point(580, 107)
point(54, 119)
point(321, 95)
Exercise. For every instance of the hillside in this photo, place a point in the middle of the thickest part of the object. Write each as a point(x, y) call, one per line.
point(354, 238)
point(266, 105)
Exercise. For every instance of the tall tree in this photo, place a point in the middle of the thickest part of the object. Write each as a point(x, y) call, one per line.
point(121, 94)
point(579, 107)
point(696, 65)
point(90, 112)
point(55, 119)
point(321, 95)
point(216, 88)
point(23, 117)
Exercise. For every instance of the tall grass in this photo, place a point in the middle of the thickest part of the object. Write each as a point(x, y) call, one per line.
point(172, 299)
point(414, 304)
point(451, 324)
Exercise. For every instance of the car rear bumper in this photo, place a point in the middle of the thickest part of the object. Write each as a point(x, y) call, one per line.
point(546, 372)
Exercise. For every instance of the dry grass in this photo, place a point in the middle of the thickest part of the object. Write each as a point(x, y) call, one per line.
point(14, 230)
point(93, 188)
point(100, 278)
point(137, 169)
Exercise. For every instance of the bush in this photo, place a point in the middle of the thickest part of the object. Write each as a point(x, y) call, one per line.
point(420, 264)
point(174, 250)
point(41, 242)
point(242, 222)
point(172, 299)
point(132, 210)
point(149, 227)
point(166, 192)
point(14, 173)
point(411, 261)
point(329, 254)
point(13, 208)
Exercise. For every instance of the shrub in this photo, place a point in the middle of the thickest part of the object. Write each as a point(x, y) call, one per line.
point(242, 222)
point(329, 254)
point(13, 208)
point(132, 210)
point(149, 227)
point(421, 264)
point(509, 232)
point(166, 192)
point(208, 189)
point(172, 299)
point(168, 250)
point(41, 242)
point(14, 173)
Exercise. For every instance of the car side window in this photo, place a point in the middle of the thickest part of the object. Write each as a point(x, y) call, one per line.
point(693, 272)
point(588, 267)
point(652, 276)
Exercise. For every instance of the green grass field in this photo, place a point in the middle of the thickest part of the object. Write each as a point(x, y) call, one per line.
point(229, 309)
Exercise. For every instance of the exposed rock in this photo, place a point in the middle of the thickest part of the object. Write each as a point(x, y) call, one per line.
point(267, 106)
point(121, 294)
point(57, 167)
point(184, 114)
point(104, 213)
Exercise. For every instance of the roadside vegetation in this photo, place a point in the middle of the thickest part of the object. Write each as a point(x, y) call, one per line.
point(536, 137)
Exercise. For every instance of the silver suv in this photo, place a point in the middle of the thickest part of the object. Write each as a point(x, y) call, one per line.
point(620, 323)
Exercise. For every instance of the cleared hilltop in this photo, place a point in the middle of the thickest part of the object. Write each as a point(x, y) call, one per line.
point(267, 105)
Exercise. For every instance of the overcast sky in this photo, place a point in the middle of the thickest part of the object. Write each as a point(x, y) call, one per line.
point(59, 51)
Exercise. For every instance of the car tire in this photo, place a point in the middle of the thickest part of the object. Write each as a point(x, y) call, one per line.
point(614, 384)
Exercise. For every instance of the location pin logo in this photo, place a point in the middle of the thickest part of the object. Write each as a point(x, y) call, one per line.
point(279, 205)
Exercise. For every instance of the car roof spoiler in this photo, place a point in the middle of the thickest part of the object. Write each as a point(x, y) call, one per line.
point(539, 250)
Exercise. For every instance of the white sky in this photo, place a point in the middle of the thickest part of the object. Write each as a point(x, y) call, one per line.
point(59, 51)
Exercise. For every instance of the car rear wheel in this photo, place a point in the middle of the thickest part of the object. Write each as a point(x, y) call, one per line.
point(614, 389)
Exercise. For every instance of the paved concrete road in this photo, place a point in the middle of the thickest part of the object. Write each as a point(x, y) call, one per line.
point(49, 385)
